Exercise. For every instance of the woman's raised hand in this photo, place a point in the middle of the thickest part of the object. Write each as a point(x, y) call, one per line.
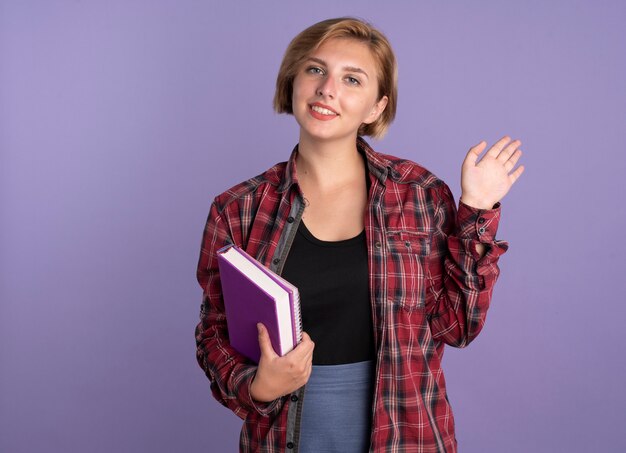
point(486, 181)
point(277, 376)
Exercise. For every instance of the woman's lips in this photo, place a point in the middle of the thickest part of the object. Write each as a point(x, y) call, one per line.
point(322, 112)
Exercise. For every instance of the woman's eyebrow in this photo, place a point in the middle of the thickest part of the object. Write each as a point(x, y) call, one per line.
point(345, 68)
point(317, 60)
point(355, 69)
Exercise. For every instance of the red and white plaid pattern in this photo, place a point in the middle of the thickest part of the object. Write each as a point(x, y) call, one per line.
point(428, 288)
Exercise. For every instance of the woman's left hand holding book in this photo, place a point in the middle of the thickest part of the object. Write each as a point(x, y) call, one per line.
point(278, 376)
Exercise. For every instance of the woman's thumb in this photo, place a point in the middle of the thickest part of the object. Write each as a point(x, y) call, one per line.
point(264, 341)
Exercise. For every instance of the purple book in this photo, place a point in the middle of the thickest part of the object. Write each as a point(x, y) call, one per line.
point(253, 294)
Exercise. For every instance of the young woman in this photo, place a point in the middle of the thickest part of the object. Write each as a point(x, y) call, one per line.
point(388, 270)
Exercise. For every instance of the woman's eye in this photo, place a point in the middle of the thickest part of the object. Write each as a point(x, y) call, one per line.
point(314, 70)
point(353, 80)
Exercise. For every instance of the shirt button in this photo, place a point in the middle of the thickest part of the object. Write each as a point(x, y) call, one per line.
point(290, 219)
point(294, 398)
point(481, 230)
point(377, 244)
point(290, 445)
point(481, 220)
point(276, 261)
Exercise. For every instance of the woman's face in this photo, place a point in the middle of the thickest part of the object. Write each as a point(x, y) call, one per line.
point(336, 90)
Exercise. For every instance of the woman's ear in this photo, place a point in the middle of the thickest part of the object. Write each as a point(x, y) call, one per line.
point(377, 110)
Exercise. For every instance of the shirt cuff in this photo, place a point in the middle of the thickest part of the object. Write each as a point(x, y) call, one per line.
point(478, 224)
point(262, 408)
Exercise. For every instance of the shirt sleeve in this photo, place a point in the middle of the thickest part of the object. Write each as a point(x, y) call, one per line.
point(230, 373)
point(461, 281)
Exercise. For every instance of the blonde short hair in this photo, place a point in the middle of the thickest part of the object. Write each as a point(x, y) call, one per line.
point(313, 37)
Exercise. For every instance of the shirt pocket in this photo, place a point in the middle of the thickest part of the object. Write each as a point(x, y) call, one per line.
point(406, 261)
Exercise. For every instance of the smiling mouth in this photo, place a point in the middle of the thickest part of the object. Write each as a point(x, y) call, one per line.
point(323, 111)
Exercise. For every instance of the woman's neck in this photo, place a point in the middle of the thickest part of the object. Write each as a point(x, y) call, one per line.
point(328, 164)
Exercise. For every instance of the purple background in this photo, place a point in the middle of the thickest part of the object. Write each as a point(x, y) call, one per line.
point(119, 122)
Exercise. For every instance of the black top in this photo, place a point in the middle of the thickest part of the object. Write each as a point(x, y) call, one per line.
point(332, 277)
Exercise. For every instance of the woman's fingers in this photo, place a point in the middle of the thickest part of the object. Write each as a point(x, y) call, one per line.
point(510, 163)
point(516, 174)
point(502, 150)
point(303, 352)
point(498, 146)
point(509, 150)
point(472, 155)
point(277, 376)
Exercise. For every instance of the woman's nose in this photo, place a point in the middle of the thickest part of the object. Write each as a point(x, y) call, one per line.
point(326, 88)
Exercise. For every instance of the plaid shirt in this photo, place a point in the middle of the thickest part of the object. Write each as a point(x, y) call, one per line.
point(428, 286)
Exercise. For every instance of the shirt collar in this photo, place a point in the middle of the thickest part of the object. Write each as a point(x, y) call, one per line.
point(290, 177)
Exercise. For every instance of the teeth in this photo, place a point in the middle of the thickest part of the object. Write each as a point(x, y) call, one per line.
point(322, 110)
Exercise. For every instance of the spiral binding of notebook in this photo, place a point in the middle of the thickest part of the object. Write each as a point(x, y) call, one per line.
point(298, 314)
